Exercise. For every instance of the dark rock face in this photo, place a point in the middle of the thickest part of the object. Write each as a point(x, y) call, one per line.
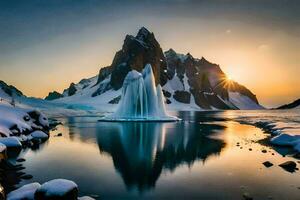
point(291, 105)
point(135, 54)
point(115, 100)
point(72, 89)
point(103, 73)
point(206, 81)
point(9, 89)
point(182, 96)
point(53, 95)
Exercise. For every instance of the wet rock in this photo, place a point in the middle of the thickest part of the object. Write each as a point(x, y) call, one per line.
point(289, 166)
point(20, 160)
point(24, 192)
point(58, 189)
point(268, 164)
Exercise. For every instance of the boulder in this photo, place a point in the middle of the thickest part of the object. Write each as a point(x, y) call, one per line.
point(12, 143)
point(25, 192)
point(58, 189)
point(39, 135)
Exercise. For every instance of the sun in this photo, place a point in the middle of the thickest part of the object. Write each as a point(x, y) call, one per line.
point(228, 78)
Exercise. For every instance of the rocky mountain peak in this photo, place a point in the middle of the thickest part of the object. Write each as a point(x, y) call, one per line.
point(143, 34)
point(136, 52)
point(10, 90)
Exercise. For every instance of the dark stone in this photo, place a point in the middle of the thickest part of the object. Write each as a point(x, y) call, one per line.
point(268, 164)
point(53, 95)
point(182, 96)
point(59, 135)
point(264, 151)
point(289, 166)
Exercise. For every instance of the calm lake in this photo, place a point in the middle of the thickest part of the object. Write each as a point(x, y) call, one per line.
point(207, 155)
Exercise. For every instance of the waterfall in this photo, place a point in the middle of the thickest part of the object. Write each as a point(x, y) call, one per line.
point(141, 100)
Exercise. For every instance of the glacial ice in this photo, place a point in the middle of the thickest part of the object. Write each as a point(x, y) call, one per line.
point(141, 100)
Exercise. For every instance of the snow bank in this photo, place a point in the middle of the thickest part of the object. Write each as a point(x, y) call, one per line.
point(24, 192)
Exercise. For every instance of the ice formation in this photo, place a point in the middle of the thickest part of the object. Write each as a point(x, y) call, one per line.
point(141, 100)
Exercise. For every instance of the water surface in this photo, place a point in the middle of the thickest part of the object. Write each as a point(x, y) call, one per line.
point(207, 155)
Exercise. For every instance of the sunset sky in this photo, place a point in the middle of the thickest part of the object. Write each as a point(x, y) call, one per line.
point(46, 45)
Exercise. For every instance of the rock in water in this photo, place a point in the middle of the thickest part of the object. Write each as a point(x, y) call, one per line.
point(289, 166)
point(58, 189)
point(268, 164)
point(24, 192)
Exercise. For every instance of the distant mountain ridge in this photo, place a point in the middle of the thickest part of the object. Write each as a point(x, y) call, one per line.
point(294, 104)
point(9, 91)
point(187, 82)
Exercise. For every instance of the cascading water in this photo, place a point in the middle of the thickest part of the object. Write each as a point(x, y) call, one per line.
point(141, 100)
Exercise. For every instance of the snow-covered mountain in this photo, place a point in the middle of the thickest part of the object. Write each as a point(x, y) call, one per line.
point(8, 91)
point(188, 83)
point(293, 105)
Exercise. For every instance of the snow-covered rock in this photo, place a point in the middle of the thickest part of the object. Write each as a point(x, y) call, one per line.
point(287, 140)
point(25, 192)
point(57, 189)
point(11, 142)
point(39, 135)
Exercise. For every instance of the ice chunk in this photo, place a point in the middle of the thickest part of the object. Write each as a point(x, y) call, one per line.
point(141, 100)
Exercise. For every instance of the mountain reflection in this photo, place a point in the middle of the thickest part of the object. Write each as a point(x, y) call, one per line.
point(140, 151)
